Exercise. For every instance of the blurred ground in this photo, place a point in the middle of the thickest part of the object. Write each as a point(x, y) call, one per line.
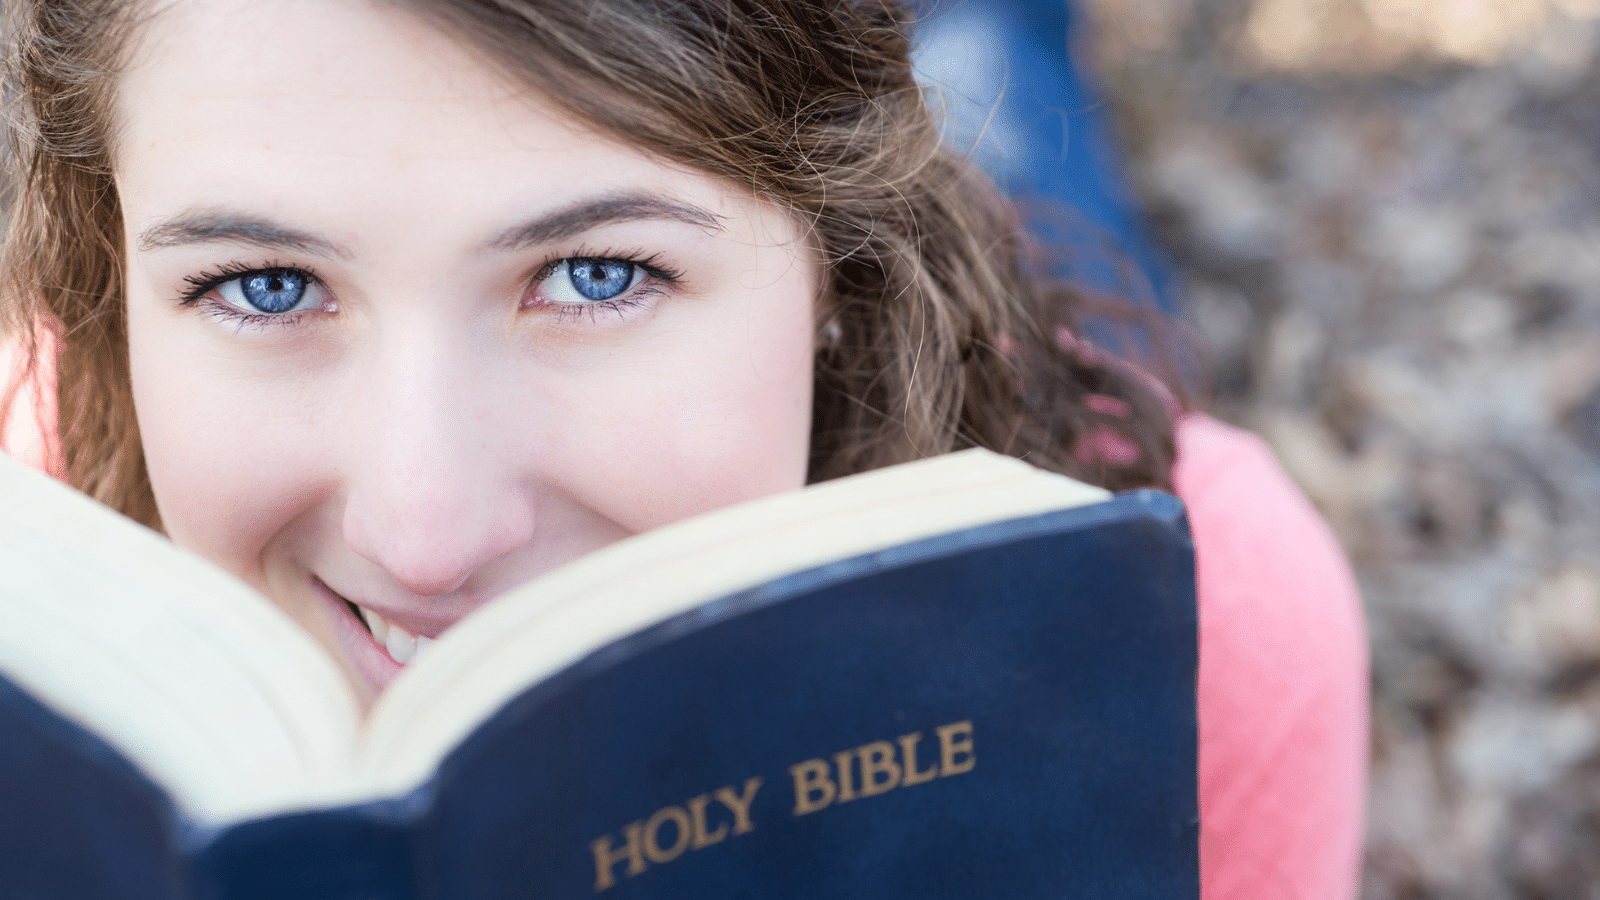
point(1386, 216)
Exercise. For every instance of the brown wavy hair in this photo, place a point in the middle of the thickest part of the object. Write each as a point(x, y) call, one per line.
point(935, 329)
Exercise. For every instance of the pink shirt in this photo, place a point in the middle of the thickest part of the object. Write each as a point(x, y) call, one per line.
point(1283, 678)
point(1283, 664)
point(28, 419)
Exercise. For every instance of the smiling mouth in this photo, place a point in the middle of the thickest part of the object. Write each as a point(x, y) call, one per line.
point(403, 646)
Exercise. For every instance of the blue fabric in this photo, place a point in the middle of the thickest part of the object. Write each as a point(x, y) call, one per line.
point(1004, 74)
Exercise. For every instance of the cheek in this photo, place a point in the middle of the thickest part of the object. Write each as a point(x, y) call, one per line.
point(732, 429)
point(723, 418)
point(229, 461)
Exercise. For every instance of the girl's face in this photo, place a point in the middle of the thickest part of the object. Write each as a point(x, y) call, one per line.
point(404, 337)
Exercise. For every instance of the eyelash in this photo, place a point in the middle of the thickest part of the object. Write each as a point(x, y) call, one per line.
point(657, 274)
point(203, 283)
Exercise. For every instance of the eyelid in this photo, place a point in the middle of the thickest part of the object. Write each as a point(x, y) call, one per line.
point(202, 283)
point(652, 263)
point(204, 294)
point(657, 276)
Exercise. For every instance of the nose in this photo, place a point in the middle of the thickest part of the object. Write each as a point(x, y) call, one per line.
point(430, 498)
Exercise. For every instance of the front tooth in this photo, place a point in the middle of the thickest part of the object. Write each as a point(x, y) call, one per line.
point(402, 645)
point(423, 643)
point(375, 622)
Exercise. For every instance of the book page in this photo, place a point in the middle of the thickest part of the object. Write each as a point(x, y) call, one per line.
point(492, 655)
point(197, 679)
point(224, 700)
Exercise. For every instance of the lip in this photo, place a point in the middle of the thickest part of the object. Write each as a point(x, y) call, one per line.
point(429, 624)
point(421, 627)
point(372, 663)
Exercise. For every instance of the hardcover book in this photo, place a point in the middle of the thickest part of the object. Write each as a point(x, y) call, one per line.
point(961, 677)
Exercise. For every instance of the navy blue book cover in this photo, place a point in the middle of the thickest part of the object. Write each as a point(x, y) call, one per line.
point(1007, 711)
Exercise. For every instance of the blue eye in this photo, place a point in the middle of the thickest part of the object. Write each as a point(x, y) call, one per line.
point(269, 292)
point(600, 279)
point(273, 292)
point(586, 280)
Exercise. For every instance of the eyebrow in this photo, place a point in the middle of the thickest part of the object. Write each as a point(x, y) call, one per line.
point(587, 215)
point(215, 227)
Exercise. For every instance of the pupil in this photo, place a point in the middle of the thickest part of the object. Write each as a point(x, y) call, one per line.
point(273, 292)
point(600, 279)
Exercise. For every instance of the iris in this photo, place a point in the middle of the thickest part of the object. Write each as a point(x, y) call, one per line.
point(273, 291)
point(599, 279)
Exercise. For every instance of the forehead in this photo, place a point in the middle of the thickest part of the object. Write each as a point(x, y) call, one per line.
point(295, 69)
point(264, 103)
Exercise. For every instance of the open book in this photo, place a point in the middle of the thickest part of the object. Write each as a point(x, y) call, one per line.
point(959, 677)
